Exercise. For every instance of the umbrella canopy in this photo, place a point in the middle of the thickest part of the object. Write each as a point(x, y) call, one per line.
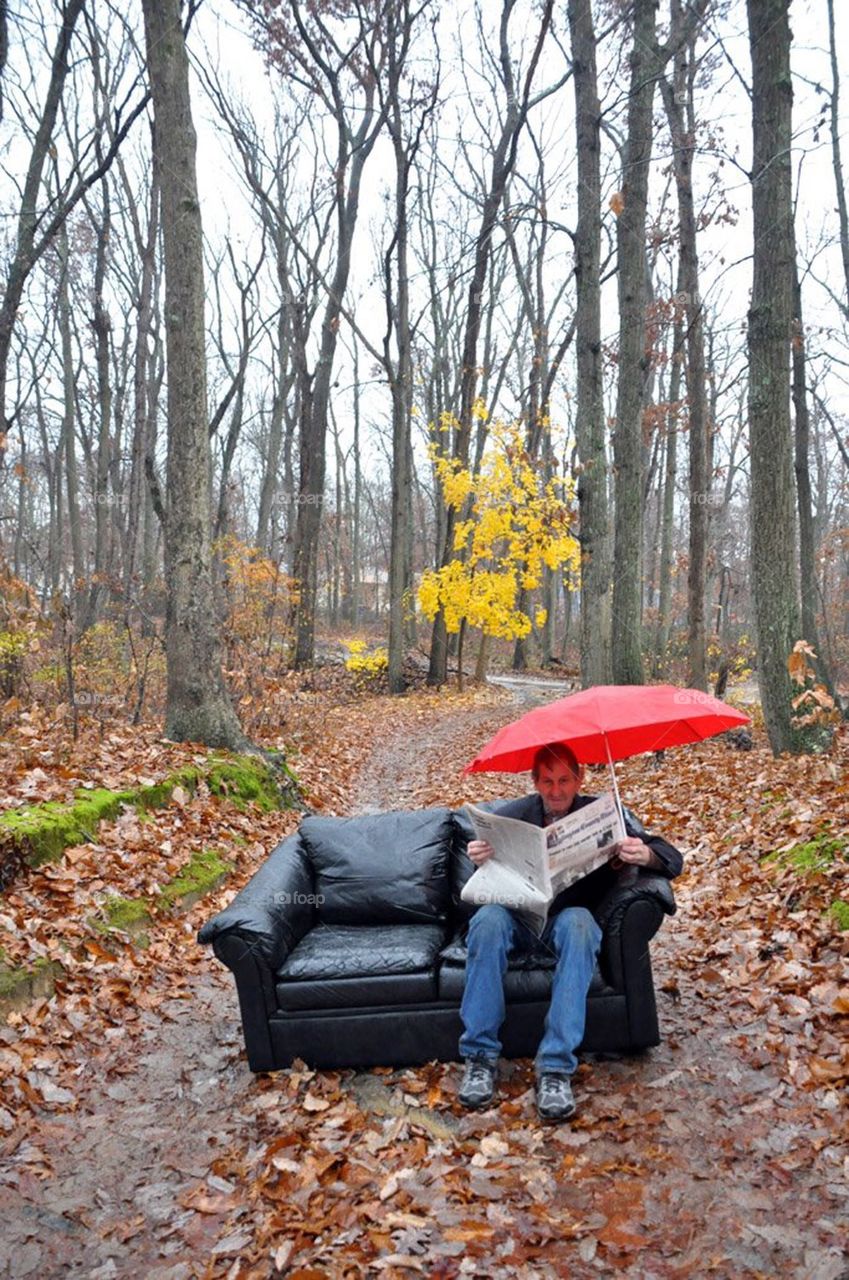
point(606, 723)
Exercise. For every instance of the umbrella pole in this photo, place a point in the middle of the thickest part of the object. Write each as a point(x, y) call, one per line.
point(615, 784)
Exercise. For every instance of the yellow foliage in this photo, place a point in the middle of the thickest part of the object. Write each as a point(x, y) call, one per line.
point(517, 523)
point(367, 665)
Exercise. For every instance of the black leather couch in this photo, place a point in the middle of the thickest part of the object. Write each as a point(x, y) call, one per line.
point(347, 949)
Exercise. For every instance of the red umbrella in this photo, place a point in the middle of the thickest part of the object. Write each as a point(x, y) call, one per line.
point(607, 723)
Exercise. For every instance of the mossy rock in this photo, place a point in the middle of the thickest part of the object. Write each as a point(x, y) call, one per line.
point(40, 832)
point(247, 779)
point(158, 794)
point(20, 985)
point(128, 915)
point(204, 871)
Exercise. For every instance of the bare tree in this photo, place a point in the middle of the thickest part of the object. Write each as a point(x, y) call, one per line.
point(406, 137)
point(648, 59)
point(37, 227)
point(306, 46)
point(518, 103)
point(840, 186)
point(677, 93)
point(198, 706)
point(589, 417)
point(774, 573)
point(631, 280)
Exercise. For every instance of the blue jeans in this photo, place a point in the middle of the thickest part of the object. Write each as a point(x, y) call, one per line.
point(574, 937)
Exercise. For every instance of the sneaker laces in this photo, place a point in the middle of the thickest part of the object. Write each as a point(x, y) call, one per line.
point(478, 1073)
point(557, 1087)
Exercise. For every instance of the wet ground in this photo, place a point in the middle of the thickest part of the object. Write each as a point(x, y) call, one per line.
point(699, 1158)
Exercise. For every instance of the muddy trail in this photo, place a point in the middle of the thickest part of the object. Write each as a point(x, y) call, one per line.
point(707, 1156)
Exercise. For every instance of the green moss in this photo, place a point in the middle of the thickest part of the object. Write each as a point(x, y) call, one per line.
point(40, 832)
point(126, 913)
point(159, 794)
point(812, 857)
point(204, 871)
point(245, 779)
point(839, 912)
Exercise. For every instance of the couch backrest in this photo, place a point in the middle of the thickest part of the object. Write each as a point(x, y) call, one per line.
point(382, 868)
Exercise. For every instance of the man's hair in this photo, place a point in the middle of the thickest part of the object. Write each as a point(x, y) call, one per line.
point(555, 753)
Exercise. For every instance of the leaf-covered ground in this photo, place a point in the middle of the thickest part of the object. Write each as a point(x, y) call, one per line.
point(135, 1142)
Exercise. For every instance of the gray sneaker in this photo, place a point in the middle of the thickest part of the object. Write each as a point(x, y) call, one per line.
point(478, 1087)
point(554, 1096)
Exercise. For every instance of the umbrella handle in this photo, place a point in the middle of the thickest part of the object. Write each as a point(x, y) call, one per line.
point(615, 784)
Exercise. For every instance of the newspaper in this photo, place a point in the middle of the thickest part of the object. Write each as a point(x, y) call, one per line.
point(531, 864)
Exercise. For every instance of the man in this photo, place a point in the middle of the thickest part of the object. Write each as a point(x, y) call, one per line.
point(571, 933)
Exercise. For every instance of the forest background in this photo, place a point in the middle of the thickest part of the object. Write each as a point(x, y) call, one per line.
point(518, 324)
point(484, 293)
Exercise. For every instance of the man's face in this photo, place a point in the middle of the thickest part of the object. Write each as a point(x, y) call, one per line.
point(558, 786)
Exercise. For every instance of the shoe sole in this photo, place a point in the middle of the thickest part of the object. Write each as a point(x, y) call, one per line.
point(554, 1117)
point(477, 1106)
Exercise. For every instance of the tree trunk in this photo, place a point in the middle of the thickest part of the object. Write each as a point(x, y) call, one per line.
point(774, 576)
point(590, 418)
point(142, 374)
point(668, 513)
point(400, 579)
point(678, 98)
point(356, 524)
point(69, 431)
point(314, 413)
point(516, 112)
point(198, 706)
point(103, 338)
point(627, 439)
point(842, 213)
point(807, 536)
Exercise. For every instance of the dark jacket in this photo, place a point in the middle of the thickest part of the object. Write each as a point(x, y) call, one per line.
point(589, 891)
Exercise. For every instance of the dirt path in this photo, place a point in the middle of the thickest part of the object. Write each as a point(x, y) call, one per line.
point(697, 1159)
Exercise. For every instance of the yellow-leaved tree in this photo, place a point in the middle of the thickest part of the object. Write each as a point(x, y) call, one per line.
point(516, 523)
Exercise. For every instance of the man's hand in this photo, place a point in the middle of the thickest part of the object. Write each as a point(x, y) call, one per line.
point(480, 851)
point(634, 852)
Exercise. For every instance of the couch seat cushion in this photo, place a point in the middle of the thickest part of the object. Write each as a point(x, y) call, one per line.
point(382, 868)
point(361, 965)
point(528, 978)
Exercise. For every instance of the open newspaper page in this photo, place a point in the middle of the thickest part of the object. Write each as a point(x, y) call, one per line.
point(517, 875)
point(531, 864)
point(583, 840)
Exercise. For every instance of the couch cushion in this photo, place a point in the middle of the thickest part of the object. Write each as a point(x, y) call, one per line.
point(361, 965)
point(382, 868)
point(528, 978)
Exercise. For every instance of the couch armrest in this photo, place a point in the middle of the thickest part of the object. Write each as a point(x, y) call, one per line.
point(630, 915)
point(254, 935)
point(271, 914)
